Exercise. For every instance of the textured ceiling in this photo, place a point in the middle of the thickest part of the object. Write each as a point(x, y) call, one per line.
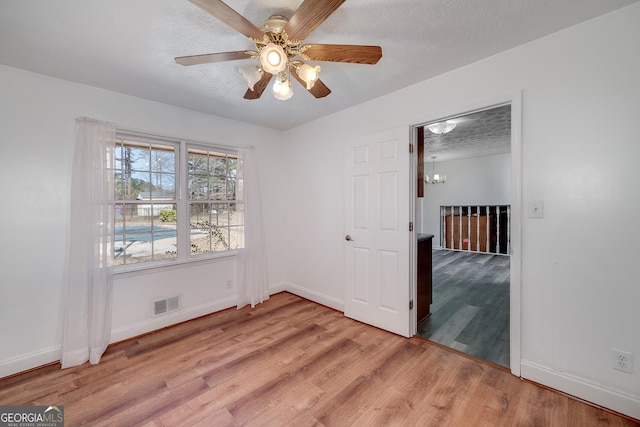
point(484, 133)
point(128, 46)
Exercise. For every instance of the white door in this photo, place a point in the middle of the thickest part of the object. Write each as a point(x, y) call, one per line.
point(377, 230)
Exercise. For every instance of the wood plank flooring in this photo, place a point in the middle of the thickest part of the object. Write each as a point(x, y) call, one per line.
point(292, 362)
point(470, 310)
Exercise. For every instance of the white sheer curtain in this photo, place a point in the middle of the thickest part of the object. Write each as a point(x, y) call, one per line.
point(88, 280)
point(253, 285)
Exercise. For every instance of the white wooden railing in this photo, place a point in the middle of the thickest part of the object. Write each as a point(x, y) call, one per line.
point(477, 228)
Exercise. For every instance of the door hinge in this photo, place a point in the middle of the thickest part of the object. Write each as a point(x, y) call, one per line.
point(411, 148)
point(411, 305)
point(411, 226)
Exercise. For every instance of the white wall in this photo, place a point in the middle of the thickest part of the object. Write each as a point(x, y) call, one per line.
point(37, 131)
point(580, 127)
point(581, 99)
point(478, 181)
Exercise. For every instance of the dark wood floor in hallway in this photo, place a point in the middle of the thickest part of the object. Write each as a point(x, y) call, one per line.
point(470, 310)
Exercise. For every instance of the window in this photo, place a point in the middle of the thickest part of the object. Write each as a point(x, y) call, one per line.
point(154, 224)
point(213, 210)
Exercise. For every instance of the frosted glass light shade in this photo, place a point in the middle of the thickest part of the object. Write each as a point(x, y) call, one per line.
point(282, 89)
point(309, 74)
point(252, 75)
point(441, 127)
point(273, 58)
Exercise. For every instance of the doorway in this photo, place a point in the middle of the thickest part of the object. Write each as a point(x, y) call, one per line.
point(471, 193)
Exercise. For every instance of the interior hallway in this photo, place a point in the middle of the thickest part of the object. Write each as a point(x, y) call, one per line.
point(470, 309)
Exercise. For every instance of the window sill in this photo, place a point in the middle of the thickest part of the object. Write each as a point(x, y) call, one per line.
point(159, 266)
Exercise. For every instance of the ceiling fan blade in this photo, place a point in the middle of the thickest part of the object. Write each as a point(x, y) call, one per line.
point(230, 17)
point(319, 89)
point(309, 15)
point(259, 87)
point(355, 54)
point(214, 57)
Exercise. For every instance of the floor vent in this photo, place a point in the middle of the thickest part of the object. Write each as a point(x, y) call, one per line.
point(166, 305)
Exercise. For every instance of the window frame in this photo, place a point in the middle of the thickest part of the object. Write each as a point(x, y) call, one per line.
point(182, 201)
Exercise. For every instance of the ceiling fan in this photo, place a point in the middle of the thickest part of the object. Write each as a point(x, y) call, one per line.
point(279, 42)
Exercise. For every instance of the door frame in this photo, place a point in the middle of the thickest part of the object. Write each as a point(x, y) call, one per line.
point(515, 288)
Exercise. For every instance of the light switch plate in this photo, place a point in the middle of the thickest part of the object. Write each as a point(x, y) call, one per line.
point(536, 209)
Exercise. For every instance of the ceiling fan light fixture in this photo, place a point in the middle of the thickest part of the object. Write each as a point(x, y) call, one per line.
point(282, 89)
point(252, 75)
point(273, 58)
point(278, 41)
point(308, 74)
point(441, 127)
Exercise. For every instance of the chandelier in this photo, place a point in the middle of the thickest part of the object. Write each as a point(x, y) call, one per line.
point(435, 178)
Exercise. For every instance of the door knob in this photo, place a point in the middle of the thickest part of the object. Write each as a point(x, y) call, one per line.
point(348, 238)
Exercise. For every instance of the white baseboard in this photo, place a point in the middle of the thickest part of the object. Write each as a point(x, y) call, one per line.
point(276, 288)
point(40, 358)
point(314, 296)
point(29, 361)
point(172, 318)
point(169, 319)
point(616, 401)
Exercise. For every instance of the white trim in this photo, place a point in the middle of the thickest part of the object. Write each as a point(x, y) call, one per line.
point(314, 296)
point(276, 288)
point(29, 361)
point(579, 387)
point(515, 265)
point(413, 235)
point(515, 306)
point(170, 319)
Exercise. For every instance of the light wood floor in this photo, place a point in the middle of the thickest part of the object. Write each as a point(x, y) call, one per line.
point(470, 310)
point(292, 362)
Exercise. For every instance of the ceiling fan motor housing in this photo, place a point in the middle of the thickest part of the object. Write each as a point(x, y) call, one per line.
point(273, 29)
point(275, 24)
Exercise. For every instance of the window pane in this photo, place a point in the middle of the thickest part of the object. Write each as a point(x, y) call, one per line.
point(231, 178)
point(130, 186)
point(137, 186)
point(217, 188)
point(163, 159)
point(219, 214)
point(198, 188)
point(232, 166)
point(234, 217)
point(117, 152)
point(199, 218)
point(218, 166)
point(163, 186)
point(140, 236)
point(137, 158)
point(197, 163)
point(209, 232)
point(231, 189)
point(236, 237)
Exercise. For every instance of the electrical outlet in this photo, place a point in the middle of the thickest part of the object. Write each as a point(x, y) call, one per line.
point(622, 360)
point(229, 285)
